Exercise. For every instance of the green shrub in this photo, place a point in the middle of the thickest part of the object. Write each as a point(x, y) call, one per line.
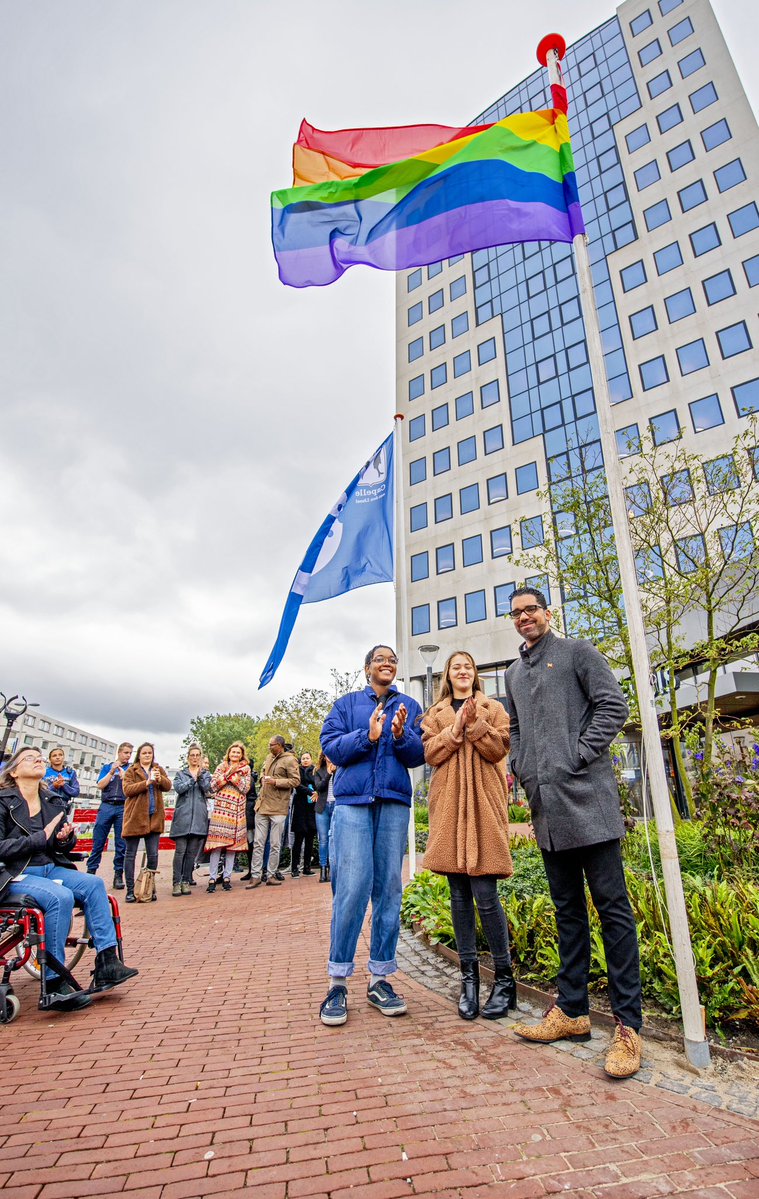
point(519, 814)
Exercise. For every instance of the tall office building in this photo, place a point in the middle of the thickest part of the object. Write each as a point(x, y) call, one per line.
point(493, 375)
point(85, 751)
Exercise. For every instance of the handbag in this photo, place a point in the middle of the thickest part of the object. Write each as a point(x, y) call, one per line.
point(144, 887)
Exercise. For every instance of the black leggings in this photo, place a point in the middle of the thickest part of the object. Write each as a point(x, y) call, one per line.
point(151, 849)
point(298, 841)
point(185, 854)
point(466, 889)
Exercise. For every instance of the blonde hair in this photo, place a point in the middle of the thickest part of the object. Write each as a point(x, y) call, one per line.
point(446, 691)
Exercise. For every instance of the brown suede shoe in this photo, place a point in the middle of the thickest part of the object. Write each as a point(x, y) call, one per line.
point(623, 1058)
point(255, 883)
point(555, 1026)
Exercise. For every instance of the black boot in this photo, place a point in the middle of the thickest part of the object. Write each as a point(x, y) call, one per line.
point(294, 872)
point(327, 869)
point(322, 874)
point(110, 971)
point(503, 997)
point(469, 999)
point(118, 881)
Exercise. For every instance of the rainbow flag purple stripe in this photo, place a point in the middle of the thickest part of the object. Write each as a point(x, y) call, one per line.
point(512, 181)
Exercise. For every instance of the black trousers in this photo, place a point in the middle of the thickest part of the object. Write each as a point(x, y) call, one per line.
point(466, 890)
point(601, 865)
point(299, 839)
point(187, 850)
point(151, 849)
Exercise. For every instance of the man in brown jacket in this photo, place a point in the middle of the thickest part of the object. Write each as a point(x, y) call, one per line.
point(280, 774)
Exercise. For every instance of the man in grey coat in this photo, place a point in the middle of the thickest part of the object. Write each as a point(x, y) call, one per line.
point(566, 707)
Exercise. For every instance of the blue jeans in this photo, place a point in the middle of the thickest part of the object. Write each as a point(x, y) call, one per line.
point(323, 821)
point(366, 859)
point(110, 816)
point(57, 902)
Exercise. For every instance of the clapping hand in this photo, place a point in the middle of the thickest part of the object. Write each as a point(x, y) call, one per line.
point(399, 721)
point(377, 722)
point(64, 831)
point(470, 710)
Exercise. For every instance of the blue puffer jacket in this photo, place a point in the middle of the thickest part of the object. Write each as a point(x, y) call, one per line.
point(368, 771)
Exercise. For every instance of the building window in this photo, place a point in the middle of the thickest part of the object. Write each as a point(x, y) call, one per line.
point(666, 6)
point(31, 721)
point(446, 613)
point(416, 427)
point(716, 135)
point(58, 730)
point(492, 439)
point(641, 22)
point(679, 305)
point(540, 582)
point(649, 52)
point(415, 349)
point(730, 175)
point(657, 215)
point(733, 340)
point(475, 608)
point(417, 471)
point(531, 532)
point(643, 322)
point(737, 541)
point(668, 258)
point(416, 387)
point(471, 550)
point(665, 427)
point(743, 220)
point(418, 517)
point(462, 364)
point(490, 393)
point(691, 196)
point(460, 324)
point(500, 542)
point(439, 417)
point(414, 280)
point(444, 508)
point(678, 488)
point(469, 498)
point(721, 475)
point(751, 270)
point(706, 413)
point(680, 31)
point(692, 357)
point(420, 620)
point(498, 489)
point(653, 373)
point(718, 287)
point(703, 97)
point(646, 175)
point(439, 375)
point(441, 461)
point(704, 240)
point(628, 441)
point(669, 118)
point(691, 63)
point(464, 405)
point(691, 552)
point(746, 397)
point(502, 595)
point(486, 351)
point(420, 567)
point(415, 313)
point(527, 478)
point(458, 288)
point(445, 559)
point(467, 450)
point(456, 258)
point(437, 337)
point(435, 268)
point(633, 276)
point(637, 138)
point(435, 301)
point(680, 156)
point(659, 84)
point(70, 735)
point(638, 499)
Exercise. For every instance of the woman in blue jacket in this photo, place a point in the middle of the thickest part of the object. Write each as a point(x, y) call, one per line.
point(373, 737)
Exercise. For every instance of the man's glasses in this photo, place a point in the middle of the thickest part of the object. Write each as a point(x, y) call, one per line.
point(385, 661)
point(530, 610)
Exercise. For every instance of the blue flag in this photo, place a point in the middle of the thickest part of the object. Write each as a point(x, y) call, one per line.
point(353, 548)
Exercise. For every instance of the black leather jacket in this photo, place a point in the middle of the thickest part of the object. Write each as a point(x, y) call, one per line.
point(19, 843)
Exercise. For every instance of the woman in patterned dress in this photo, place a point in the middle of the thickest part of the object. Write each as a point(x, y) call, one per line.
point(226, 829)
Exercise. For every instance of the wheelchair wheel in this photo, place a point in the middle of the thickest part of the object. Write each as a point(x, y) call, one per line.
point(12, 1008)
point(76, 942)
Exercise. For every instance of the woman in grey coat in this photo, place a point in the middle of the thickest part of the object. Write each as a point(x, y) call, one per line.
point(189, 827)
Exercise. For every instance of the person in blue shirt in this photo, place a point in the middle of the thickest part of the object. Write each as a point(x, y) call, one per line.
point(111, 815)
point(61, 779)
point(373, 737)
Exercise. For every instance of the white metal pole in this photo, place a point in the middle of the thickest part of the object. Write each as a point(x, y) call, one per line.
point(695, 1042)
point(402, 628)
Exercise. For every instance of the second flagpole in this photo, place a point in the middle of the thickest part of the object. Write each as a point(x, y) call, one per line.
point(402, 629)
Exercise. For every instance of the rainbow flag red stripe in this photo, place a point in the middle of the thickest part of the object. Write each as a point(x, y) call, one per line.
point(451, 191)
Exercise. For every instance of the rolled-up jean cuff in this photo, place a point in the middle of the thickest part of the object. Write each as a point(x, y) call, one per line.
point(340, 969)
point(379, 969)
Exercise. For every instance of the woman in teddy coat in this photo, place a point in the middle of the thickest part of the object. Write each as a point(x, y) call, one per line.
point(466, 740)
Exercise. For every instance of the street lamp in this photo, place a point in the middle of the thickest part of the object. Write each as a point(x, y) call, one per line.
point(428, 654)
point(12, 708)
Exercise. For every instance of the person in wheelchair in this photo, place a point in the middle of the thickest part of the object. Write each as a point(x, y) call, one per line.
point(35, 844)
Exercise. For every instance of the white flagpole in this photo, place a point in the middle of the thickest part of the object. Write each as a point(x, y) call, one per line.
point(695, 1042)
point(400, 594)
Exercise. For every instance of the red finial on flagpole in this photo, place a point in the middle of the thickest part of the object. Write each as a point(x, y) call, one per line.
point(552, 41)
point(551, 50)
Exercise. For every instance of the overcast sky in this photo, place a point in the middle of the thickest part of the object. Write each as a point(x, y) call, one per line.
point(175, 422)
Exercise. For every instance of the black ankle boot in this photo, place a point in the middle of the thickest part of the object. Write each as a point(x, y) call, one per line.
point(469, 999)
point(110, 971)
point(503, 997)
point(322, 874)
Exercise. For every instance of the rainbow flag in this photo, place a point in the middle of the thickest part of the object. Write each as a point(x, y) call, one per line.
point(403, 197)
